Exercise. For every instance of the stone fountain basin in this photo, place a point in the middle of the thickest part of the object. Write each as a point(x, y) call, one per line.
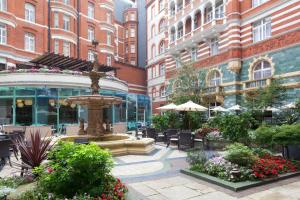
point(118, 144)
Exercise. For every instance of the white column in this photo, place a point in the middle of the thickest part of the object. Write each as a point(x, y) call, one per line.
point(183, 28)
point(193, 24)
point(202, 17)
point(213, 11)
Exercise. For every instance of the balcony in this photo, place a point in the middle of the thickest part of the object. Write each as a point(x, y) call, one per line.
point(211, 91)
point(254, 84)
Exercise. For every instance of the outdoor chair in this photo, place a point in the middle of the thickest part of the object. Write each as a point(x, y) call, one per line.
point(81, 141)
point(171, 136)
point(4, 151)
point(185, 140)
point(151, 133)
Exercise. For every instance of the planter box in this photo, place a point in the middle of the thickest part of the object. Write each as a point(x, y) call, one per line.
point(236, 186)
point(215, 144)
point(292, 152)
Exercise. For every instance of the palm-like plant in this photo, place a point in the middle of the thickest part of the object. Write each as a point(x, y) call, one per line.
point(34, 151)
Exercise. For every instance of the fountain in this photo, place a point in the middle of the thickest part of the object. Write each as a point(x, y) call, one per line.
point(118, 144)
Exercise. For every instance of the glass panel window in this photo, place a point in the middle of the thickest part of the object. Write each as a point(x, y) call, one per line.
point(162, 69)
point(132, 32)
point(29, 12)
point(132, 48)
point(161, 5)
point(108, 41)
point(29, 42)
point(56, 20)
point(66, 25)
point(258, 2)
point(219, 12)
point(214, 79)
point(172, 10)
point(262, 29)
point(91, 55)
point(193, 54)
point(180, 32)
point(6, 111)
point(3, 34)
point(91, 34)
point(3, 5)
point(67, 49)
point(262, 70)
point(214, 47)
point(162, 47)
point(132, 61)
point(162, 25)
point(67, 2)
point(162, 91)
point(108, 60)
point(208, 15)
point(56, 46)
point(91, 10)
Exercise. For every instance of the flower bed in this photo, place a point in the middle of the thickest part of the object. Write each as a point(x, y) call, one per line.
point(241, 163)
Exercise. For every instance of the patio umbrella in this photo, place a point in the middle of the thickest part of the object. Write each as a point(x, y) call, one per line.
point(272, 109)
point(236, 108)
point(220, 109)
point(289, 106)
point(170, 106)
point(191, 106)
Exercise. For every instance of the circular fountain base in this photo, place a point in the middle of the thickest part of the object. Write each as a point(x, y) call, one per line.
point(118, 144)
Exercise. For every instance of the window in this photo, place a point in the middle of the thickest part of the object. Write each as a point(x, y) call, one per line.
point(108, 38)
point(109, 17)
point(162, 25)
point(132, 48)
point(180, 30)
point(262, 29)
point(56, 20)
point(152, 12)
point(132, 61)
point(66, 25)
point(29, 42)
point(162, 69)
point(91, 10)
point(108, 60)
point(29, 12)
point(193, 54)
point(214, 78)
point(161, 5)
point(172, 9)
point(162, 91)
point(153, 92)
point(152, 31)
point(153, 51)
point(262, 70)
point(67, 2)
point(91, 55)
point(66, 49)
point(3, 34)
point(219, 11)
point(91, 34)
point(149, 73)
point(208, 14)
point(173, 34)
point(132, 32)
point(178, 63)
point(132, 17)
point(258, 2)
point(126, 48)
point(162, 47)
point(126, 33)
point(214, 47)
point(3, 5)
point(56, 46)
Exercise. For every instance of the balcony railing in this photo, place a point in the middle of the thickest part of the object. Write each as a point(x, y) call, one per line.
point(213, 90)
point(256, 83)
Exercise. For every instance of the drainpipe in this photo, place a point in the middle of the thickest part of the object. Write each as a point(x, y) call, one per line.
point(78, 28)
point(49, 24)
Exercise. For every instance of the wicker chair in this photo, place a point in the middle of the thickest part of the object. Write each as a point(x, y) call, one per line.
point(185, 140)
point(151, 133)
point(171, 135)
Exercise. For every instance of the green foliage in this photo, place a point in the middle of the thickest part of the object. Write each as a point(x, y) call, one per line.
point(287, 134)
point(240, 154)
point(169, 119)
point(264, 135)
point(196, 158)
point(234, 127)
point(269, 96)
point(260, 152)
point(12, 182)
point(287, 116)
point(160, 122)
point(76, 169)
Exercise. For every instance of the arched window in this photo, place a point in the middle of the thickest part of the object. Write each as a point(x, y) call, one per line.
point(262, 70)
point(153, 53)
point(162, 25)
point(152, 31)
point(162, 91)
point(29, 12)
point(214, 78)
point(172, 8)
point(162, 47)
point(179, 30)
point(173, 34)
point(153, 92)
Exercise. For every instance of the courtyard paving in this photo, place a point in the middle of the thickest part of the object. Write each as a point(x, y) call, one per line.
point(157, 177)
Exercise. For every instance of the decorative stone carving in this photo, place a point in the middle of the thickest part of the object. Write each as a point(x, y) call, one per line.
point(81, 127)
point(235, 66)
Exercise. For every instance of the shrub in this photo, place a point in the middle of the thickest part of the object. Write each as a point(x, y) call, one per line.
point(234, 127)
point(196, 158)
point(240, 154)
point(270, 166)
point(260, 152)
point(264, 134)
point(287, 134)
point(76, 169)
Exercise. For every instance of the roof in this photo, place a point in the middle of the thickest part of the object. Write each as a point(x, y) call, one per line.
point(63, 62)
